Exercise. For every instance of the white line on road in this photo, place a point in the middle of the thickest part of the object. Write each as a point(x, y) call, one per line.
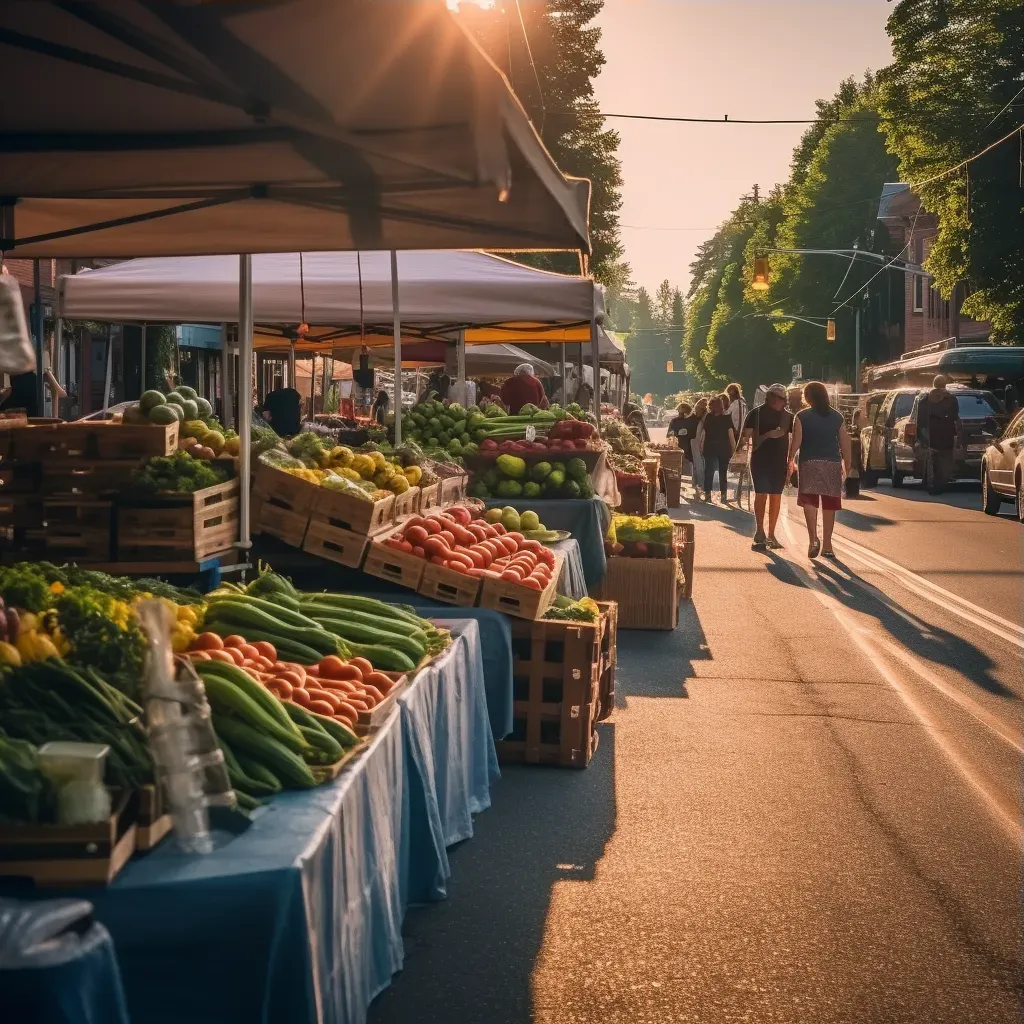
point(946, 599)
point(865, 639)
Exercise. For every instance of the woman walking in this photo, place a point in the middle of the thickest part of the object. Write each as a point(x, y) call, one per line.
point(700, 412)
point(820, 438)
point(736, 407)
point(768, 426)
point(717, 446)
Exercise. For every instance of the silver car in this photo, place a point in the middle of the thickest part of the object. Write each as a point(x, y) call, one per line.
point(1002, 469)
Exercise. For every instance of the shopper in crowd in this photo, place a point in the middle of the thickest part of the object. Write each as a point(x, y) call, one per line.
point(717, 446)
point(938, 427)
point(767, 429)
point(282, 409)
point(522, 388)
point(379, 409)
point(736, 407)
point(633, 417)
point(823, 445)
point(700, 412)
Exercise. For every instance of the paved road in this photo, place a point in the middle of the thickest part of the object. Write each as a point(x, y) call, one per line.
point(807, 807)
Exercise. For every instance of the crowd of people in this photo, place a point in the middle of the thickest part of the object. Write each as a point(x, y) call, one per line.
point(808, 444)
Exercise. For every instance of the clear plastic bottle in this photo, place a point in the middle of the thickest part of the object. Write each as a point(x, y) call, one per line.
point(189, 763)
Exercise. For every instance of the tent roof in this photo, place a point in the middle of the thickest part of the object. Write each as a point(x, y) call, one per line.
point(441, 289)
point(481, 360)
point(611, 352)
point(181, 127)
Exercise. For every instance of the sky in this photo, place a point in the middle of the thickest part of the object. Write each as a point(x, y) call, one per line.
point(707, 58)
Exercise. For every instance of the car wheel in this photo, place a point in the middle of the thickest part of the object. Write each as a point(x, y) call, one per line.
point(894, 473)
point(1020, 497)
point(990, 500)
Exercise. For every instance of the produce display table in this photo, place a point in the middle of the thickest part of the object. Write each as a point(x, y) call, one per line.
point(586, 519)
point(573, 582)
point(299, 918)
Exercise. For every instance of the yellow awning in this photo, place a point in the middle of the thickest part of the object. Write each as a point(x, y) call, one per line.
point(523, 333)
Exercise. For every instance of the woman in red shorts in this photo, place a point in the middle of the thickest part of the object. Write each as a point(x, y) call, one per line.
point(820, 438)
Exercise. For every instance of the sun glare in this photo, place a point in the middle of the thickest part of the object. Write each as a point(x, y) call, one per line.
point(453, 5)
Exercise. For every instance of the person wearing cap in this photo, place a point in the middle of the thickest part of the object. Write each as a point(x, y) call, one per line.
point(767, 428)
point(523, 388)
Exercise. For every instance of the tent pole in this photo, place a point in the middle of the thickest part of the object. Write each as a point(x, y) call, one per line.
point(595, 355)
point(226, 409)
point(244, 395)
point(291, 367)
point(110, 367)
point(324, 382)
point(142, 359)
point(398, 347)
point(37, 330)
point(58, 360)
point(460, 367)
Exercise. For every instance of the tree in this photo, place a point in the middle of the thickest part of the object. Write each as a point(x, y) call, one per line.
point(953, 89)
point(654, 339)
point(550, 53)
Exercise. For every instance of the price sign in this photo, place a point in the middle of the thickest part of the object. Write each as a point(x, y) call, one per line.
point(531, 433)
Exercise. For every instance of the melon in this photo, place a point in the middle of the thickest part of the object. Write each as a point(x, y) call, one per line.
point(165, 414)
point(205, 409)
point(186, 392)
point(175, 399)
point(191, 409)
point(195, 428)
point(150, 400)
point(214, 440)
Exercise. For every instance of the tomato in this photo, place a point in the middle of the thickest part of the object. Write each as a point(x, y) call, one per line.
point(447, 535)
point(264, 664)
point(321, 707)
point(532, 583)
point(497, 529)
point(405, 546)
point(419, 552)
point(293, 679)
point(234, 640)
point(350, 715)
point(373, 692)
point(362, 664)
point(199, 655)
point(431, 525)
point(435, 547)
point(512, 576)
point(341, 686)
point(267, 650)
point(250, 652)
point(312, 670)
point(416, 535)
point(358, 703)
point(207, 642)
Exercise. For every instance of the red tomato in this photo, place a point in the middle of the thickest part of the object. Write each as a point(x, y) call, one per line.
point(299, 696)
point(416, 535)
point(207, 642)
point(199, 655)
point(373, 692)
point(348, 714)
point(221, 656)
point(380, 681)
point(338, 685)
point(532, 583)
point(293, 679)
point(331, 698)
point(281, 688)
point(419, 552)
point(234, 640)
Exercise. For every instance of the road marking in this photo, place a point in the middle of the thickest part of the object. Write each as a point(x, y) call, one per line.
point(863, 638)
point(953, 603)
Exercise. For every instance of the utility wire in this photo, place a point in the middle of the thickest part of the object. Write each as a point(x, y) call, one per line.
point(536, 76)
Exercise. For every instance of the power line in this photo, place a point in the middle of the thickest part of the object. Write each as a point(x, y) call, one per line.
point(536, 76)
point(827, 119)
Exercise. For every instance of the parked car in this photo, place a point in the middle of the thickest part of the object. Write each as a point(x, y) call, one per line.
point(981, 419)
point(1002, 470)
point(881, 412)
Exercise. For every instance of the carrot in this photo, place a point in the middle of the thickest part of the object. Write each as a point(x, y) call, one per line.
point(321, 707)
point(281, 688)
point(267, 650)
point(332, 698)
point(338, 685)
point(373, 692)
point(299, 696)
point(250, 652)
point(292, 678)
point(347, 713)
point(199, 655)
point(380, 681)
point(221, 656)
point(362, 664)
point(265, 664)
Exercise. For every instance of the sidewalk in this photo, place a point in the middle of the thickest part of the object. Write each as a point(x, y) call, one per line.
point(765, 834)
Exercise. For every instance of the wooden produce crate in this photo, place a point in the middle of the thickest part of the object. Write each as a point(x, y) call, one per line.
point(88, 477)
point(555, 678)
point(275, 521)
point(430, 497)
point(388, 563)
point(609, 659)
point(73, 530)
point(371, 721)
point(453, 488)
point(683, 540)
point(334, 543)
point(637, 501)
point(407, 503)
point(94, 439)
point(673, 488)
point(20, 478)
point(440, 583)
point(70, 854)
point(671, 458)
point(153, 820)
point(519, 601)
point(645, 589)
point(178, 527)
point(291, 493)
point(355, 514)
point(651, 466)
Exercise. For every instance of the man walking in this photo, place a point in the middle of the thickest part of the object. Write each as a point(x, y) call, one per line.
point(938, 427)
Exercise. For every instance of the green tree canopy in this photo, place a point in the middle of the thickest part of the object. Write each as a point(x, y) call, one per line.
point(655, 338)
point(953, 89)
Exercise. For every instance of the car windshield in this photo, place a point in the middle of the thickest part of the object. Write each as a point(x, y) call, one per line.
point(977, 407)
point(904, 403)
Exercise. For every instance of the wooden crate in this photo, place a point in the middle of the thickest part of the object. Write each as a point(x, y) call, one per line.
point(448, 586)
point(334, 543)
point(390, 564)
point(683, 538)
point(609, 659)
point(178, 527)
point(555, 677)
point(275, 521)
point(372, 720)
point(646, 590)
point(407, 503)
point(430, 497)
point(355, 514)
point(72, 530)
point(153, 820)
point(519, 601)
point(284, 491)
point(65, 476)
point(636, 501)
point(673, 488)
point(94, 439)
point(453, 489)
point(20, 478)
point(70, 854)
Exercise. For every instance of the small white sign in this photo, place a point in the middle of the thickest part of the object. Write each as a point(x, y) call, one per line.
point(531, 433)
point(798, 371)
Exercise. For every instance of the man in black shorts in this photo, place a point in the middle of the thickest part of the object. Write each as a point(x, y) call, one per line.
point(768, 426)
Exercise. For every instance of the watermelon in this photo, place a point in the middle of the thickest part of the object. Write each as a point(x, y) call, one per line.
point(175, 399)
point(191, 409)
point(164, 414)
point(186, 392)
point(205, 409)
point(150, 400)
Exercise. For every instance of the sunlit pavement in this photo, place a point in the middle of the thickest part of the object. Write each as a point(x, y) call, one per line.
point(806, 808)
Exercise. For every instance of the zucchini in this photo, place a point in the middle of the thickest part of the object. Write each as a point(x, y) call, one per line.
point(286, 648)
point(316, 737)
point(356, 632)
point(387, 658)
point(292, 771)
point(277, 612)
point(246, 803)
point(240, 781)
point(227, 699)
point(259, 774)
point(246, 619)
point(310, 719)
point(257, 693)
point(393, 624)
point(369, 605)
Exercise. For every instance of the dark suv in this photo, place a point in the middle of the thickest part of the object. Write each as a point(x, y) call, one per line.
point(882, 410)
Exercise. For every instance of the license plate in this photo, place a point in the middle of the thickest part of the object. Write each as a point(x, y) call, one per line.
point(976, 447)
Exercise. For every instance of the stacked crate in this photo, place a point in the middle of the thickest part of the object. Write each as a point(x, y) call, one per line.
point(557, 682)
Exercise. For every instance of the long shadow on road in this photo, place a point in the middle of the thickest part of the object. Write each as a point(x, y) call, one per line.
point(470, 959)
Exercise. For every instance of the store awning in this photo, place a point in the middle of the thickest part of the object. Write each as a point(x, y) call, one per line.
point(176, 128)
point(439, 290)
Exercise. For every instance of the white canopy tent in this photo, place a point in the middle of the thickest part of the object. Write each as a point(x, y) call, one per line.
point(481, 360)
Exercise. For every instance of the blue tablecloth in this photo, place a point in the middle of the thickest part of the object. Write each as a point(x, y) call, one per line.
point(587, 520)
point(573, 581)
point(299, 918)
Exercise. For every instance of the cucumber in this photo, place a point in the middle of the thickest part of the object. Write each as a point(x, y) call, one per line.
point(369, 605)
point(384, 657)
point(392, 624)
point(287, 649)
point(356, 632)
point(259, 774)
point(227, 700)
point(311, 720)
point(276, 611)
point(245, 619)
point(246, 802)
point(258, 694)
point(316, 737)
point(292, 771)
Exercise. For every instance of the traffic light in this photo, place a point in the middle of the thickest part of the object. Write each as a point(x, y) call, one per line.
point(760, 281)
point(830, 330)
point(669, 366)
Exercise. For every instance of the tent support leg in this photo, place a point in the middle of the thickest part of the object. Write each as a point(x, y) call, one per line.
point(595, 356)
point(244, 396)
point(142, 359)
point(460, 367)
point(226, 405)
point(398, 347)
point(58, 361)
point(107, 376)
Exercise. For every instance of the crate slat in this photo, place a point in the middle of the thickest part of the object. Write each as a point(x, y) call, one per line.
point(448, 586)
point(519, 601)
point(334, 543)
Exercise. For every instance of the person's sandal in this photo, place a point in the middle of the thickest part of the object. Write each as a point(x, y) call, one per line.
point(760, 541)
point(828, 554)
point(814, 549)
point(774, 544)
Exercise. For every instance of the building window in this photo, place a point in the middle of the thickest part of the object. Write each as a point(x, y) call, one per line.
point(945, 309)
point(931, 303)
point(918, 293)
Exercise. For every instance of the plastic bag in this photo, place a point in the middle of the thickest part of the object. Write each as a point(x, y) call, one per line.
point(17, 353)
point(280, 459)
point(333, 482)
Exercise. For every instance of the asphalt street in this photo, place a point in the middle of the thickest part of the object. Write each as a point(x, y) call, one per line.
point(806, 807)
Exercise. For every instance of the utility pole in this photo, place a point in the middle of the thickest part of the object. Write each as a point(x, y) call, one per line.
point(856, 351)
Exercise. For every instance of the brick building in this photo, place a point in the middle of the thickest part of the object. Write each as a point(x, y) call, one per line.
point(928, 317)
